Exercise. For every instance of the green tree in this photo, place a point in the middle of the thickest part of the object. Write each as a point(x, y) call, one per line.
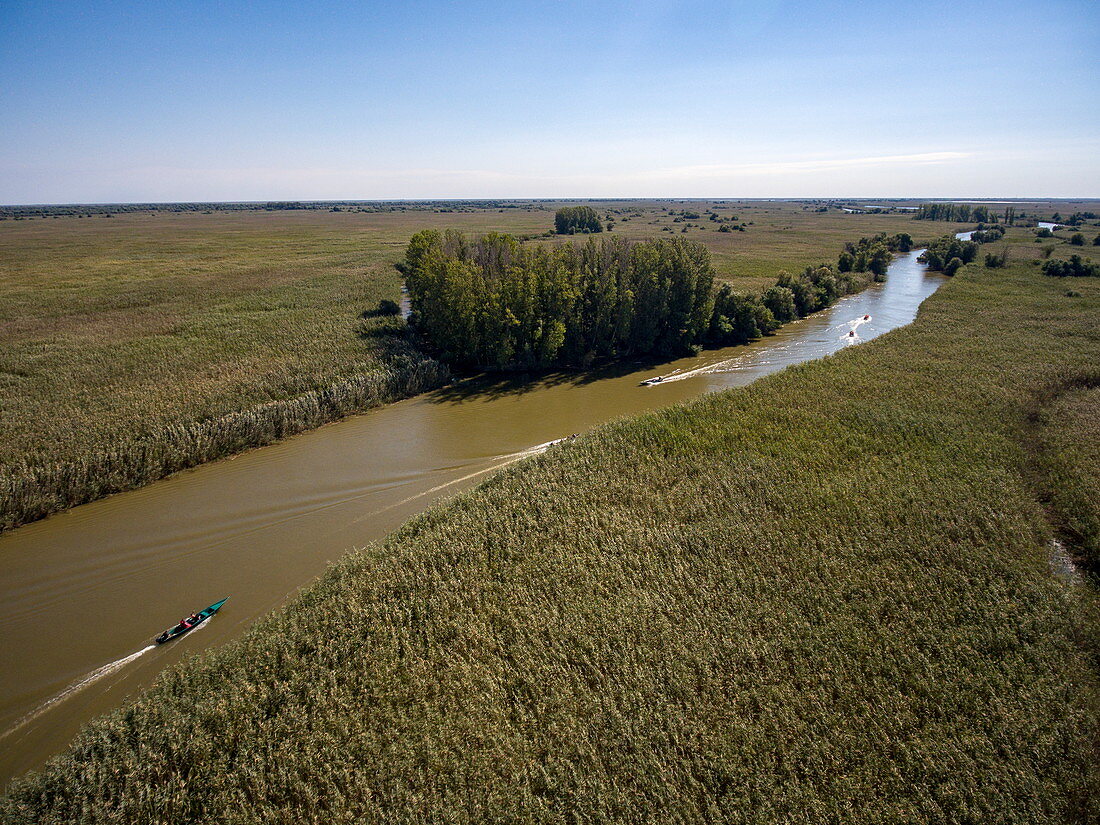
point(780, 301)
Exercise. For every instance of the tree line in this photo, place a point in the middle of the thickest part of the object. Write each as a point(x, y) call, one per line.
point(958, 212)
point(493, 303)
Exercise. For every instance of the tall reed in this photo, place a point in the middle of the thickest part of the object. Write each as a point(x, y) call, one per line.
point(31, 491)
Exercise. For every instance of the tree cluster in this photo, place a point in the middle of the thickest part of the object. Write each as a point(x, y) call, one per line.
point(873, 254)
point(1075, 267)
point(958, 212)
point(1078, 218)
point(948, 253)
point(987, 234)
point(495, 304)
point(818, 287)
point(570, 220)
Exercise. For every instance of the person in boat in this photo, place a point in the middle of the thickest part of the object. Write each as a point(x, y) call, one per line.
point(866, 317)
point(852, 334)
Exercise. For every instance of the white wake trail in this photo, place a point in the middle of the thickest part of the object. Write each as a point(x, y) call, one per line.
point(851, 334)
point(717, 368)
point(79, 685)
point(501, 462)
point(852, 326)
point(91, 678)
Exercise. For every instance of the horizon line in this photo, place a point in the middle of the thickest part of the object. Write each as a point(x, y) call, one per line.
point(541, 199)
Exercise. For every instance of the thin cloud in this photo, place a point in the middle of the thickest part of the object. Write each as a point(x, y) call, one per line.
point(817, 165)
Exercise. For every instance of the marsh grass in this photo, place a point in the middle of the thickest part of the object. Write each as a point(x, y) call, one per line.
point(821, 598)
point(1068, 447)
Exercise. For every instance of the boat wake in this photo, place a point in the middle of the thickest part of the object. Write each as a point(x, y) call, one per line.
point(76, 687)
point(735, 364)
point(499, 463)
point(91, 678)
point(851, 329)
point(540, 448)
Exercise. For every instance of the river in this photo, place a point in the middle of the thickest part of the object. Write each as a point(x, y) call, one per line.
point(83, 593)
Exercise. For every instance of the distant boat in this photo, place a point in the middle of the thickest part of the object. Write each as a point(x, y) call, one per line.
point(649, 382)
point(188, 624)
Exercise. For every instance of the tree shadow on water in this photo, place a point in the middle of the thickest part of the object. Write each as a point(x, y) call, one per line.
point(490, 386)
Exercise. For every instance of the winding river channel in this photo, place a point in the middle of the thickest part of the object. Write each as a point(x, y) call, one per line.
point(83, 593)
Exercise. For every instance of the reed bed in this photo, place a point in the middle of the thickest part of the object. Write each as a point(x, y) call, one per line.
point(32, 491)
point(821, 598)
point(1068, 439)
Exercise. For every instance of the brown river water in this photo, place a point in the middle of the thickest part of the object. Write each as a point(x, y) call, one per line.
point(83, 593)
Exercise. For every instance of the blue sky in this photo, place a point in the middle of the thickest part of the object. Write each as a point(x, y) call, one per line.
point(105, 102)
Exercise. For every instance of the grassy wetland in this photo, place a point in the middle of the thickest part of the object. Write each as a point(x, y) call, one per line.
point(1069, 447)
point(137, 343)
point(824, 597)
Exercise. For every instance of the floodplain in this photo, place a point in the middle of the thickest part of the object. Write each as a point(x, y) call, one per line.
point(827, 595)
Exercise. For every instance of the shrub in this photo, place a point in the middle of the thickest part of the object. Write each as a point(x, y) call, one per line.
point(1075, 267)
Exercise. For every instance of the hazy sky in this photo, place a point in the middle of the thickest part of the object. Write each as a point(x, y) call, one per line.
point(168, 101)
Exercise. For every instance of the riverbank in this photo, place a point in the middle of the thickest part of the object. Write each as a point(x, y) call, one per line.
point(33, 491)
point(823, 596)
